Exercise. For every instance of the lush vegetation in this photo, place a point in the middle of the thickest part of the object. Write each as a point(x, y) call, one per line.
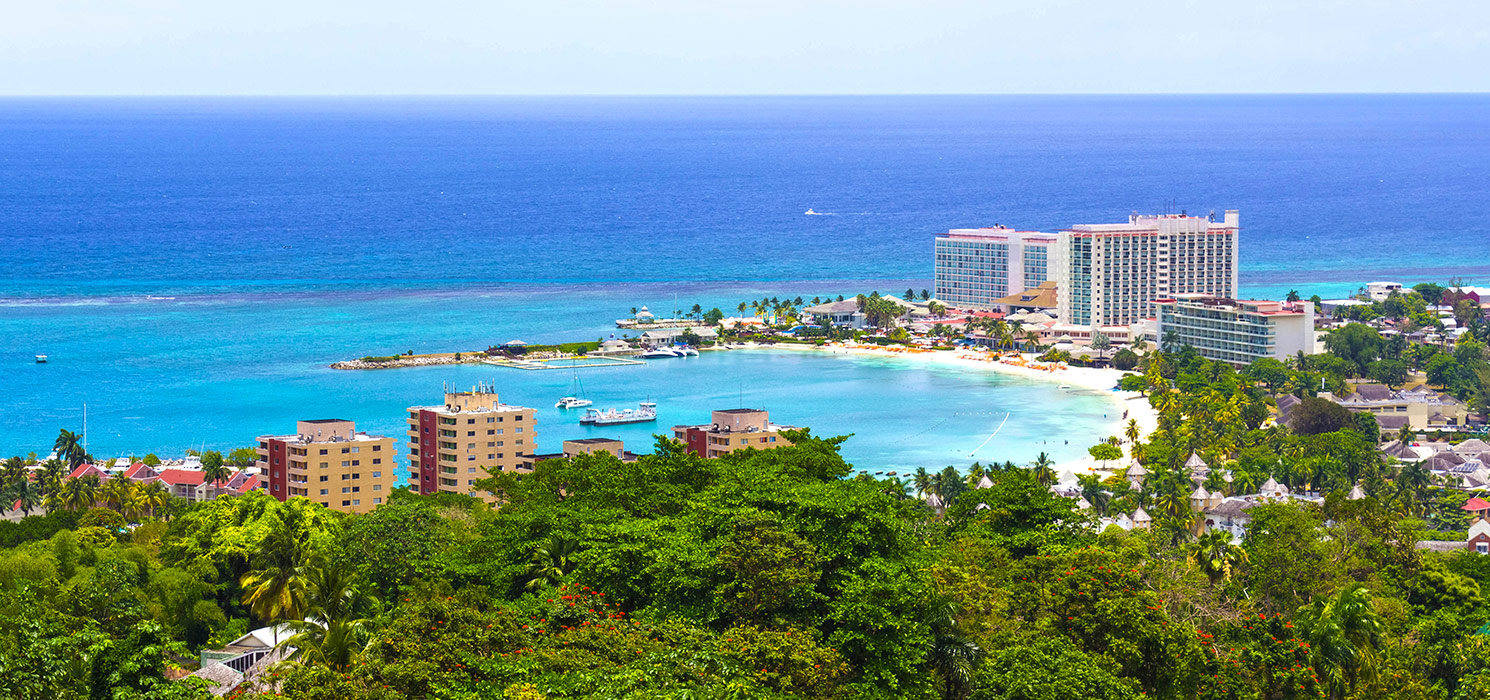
point(764, 574)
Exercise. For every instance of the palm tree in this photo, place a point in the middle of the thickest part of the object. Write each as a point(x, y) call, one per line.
point(950, 653)
point(80, 493)
point(156, 497)
point(975, 474)
point(1094, 493)
point(70, 447)
point(922, 482)
point(27, 495)
point(1044, 469)
point(51, 474)
point(12, 472)
point(276, 591)
point(1342, 632)
point(1216, 556)
point(551, 562)
point(115, 491)
point(215, 472)
point(335, 627)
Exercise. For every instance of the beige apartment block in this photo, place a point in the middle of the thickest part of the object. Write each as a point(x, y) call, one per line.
point(468, 438)
point(329, 462)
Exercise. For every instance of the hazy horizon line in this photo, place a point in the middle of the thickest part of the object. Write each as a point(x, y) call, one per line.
point(477, 95)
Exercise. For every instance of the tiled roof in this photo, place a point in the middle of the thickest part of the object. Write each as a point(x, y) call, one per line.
point(84, 470)
point(138, 470)
point(190, 477)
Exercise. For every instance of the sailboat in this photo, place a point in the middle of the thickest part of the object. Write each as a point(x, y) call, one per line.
point(576, 397)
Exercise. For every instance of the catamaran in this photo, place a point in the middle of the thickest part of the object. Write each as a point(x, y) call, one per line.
point(576, 397)
point(646, 413)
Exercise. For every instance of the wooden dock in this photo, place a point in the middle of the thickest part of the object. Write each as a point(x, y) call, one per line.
point(559, 363)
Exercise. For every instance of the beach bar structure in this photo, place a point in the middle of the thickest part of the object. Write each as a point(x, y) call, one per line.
point(732, 429)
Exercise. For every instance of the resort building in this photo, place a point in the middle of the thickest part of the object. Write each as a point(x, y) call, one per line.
point(1380, 291)
point(329, 462)
point(1420, 408)
point(1040, 298)
point(1237, 331)
point(732, 429)
point(977, 267)
point(669, 336)
point(1111, 274)
point(470, 437)
point(575, 448)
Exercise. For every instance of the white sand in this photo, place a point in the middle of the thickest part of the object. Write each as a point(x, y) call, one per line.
point(1135, 404)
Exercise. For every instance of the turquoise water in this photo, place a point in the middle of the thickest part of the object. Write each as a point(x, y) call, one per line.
point(192, 265)
point(218, 372)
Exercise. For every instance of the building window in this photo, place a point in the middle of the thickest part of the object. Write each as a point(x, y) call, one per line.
point(377, 475)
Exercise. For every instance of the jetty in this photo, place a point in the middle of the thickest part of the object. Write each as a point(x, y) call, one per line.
point(555, 363)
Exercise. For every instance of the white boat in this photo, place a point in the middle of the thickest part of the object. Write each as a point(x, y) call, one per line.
point(660, 352)
point(576, 397)
point(646, 413)
point(687, 351)
point(41, 359)
point(1064, 386)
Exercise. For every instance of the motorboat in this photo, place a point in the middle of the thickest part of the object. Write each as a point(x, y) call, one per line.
point(41, 359)
point(660, 352)
point(686, 350)
point(645, 413)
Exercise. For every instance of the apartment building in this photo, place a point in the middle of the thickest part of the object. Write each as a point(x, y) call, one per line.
point(330, 462)
point(732, 429)
point(1237, 331)
point(466, 439)
point(976, 267)
point(1111, 274)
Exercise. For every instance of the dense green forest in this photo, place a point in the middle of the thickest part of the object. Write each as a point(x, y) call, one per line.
point(786, 573)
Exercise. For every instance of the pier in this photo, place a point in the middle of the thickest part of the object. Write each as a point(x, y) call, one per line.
point(537, 365)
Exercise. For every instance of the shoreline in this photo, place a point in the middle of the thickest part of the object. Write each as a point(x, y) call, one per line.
point(1086, 378)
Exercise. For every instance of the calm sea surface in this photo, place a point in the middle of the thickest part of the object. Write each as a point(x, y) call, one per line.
point(191, 266)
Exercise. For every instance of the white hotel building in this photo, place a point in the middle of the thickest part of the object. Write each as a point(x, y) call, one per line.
point(976, 266)
point(1111, 274)
point(1237, 331)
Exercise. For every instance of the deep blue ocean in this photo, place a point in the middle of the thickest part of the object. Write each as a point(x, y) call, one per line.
point(191, 265)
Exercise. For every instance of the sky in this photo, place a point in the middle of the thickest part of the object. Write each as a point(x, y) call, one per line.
point(688, 47)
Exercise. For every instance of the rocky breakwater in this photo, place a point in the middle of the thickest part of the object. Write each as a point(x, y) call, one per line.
point(395, 361)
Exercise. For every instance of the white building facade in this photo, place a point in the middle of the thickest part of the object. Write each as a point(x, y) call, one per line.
point(975, 267)
point(1111, 274)
point(1237, 331)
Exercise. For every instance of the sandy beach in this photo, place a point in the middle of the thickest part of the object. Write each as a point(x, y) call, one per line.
point(1102, 380)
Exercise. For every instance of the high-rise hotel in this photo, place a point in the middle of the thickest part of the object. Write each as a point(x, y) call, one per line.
point(977, 266)
point(1110, 274)
point(1105, 274)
